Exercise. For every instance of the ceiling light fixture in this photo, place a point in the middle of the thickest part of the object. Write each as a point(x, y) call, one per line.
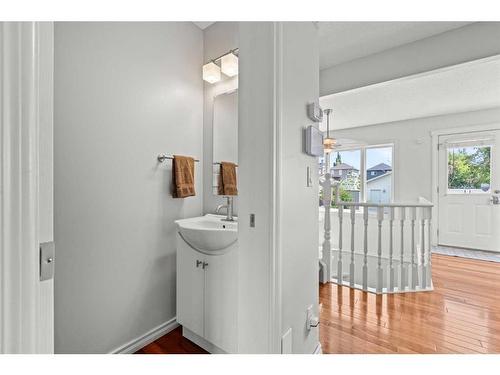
point(328, 142)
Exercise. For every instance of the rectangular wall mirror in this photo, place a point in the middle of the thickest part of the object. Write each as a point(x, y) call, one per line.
point(225, 132)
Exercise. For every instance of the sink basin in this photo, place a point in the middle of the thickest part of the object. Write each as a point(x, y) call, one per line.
point(208, 234)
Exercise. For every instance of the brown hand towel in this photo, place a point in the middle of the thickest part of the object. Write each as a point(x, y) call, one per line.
point(183, 176)
point(227, 179)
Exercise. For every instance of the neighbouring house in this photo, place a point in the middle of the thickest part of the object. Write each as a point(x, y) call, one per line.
point(342, 170)
point(377, 170)
point(379, 188)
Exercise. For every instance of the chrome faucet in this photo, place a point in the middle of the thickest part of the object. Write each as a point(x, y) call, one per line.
point(229, 207)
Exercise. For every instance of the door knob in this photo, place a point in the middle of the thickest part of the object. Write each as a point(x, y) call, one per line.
point(495, 199)
point(205, 265)
point(198, 263)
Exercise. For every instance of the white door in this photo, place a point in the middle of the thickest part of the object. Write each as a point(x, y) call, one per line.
point(469, 189)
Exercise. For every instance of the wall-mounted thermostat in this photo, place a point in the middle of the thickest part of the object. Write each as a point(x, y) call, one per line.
point(314, 141)
point(314, 112)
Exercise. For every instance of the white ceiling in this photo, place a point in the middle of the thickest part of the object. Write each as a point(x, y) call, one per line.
point(346, 41)
point(461, 88)
point(203, 25)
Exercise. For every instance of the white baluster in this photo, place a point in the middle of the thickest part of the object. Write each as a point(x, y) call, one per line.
point(423, 281)
point(380, 272)
point(365, 248)
point(403, 277)
point(429, 249)
point(351, 269)
point(414, 269)
point(339, 263)
point(391, 249)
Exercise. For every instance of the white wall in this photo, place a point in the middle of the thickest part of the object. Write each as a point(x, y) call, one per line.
point(219, 38)
point(412, 146)
point(279, 72)
point(124, 92)
point(467, 43)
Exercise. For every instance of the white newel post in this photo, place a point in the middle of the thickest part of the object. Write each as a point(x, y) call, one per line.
point(402, 278)
point(351, 268)
point(327, 203)
point(339, 263)
point(429, 249)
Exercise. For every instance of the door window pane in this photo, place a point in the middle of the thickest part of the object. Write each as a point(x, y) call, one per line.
point(469, 169)
point(379, 175)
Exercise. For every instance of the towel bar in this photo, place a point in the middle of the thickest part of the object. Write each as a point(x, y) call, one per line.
point(162, 157)
point(218, 163)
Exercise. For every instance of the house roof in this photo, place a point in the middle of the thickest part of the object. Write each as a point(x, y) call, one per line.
point(380, 167)
point(343, 166)
point(379, 177)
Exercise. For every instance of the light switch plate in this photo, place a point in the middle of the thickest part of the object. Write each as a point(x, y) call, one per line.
point(47, 260)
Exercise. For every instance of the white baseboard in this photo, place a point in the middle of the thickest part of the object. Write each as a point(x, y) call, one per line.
point(201, 342)
point(141, 341)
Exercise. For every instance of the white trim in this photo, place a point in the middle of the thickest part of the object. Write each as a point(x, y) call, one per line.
point(201, 342)
point(435, 164)
point(275, 269)
point(140, 342)
point(19, 224)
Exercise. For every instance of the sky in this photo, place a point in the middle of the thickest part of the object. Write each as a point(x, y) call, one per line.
point(374, 156)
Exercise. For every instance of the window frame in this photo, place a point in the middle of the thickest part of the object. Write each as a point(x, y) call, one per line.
point(363, 169)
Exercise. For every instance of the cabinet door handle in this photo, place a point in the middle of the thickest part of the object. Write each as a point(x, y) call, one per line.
point(205, 265)
point(198, 263)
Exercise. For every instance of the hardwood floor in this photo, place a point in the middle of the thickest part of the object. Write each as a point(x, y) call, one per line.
point(461, 315)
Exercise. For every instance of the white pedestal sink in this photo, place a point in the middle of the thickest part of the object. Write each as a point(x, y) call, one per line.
point(208, 234)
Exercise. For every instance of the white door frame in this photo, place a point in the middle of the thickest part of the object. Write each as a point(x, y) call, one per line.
point(435, 165)
point(21, 305)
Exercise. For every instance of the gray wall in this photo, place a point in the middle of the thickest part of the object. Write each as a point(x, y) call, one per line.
point(460, 45)
point(218, 39)
point(124, 92)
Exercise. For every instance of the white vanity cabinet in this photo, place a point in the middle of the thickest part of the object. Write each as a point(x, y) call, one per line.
point(207, 297)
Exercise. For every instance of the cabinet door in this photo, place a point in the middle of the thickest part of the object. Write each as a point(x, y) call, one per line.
point(221, 291)
point(190, 287)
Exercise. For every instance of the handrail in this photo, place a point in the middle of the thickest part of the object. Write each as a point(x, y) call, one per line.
point(367, 204)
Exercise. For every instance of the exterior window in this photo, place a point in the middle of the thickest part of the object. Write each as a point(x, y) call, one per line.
point(364, 174)
point(469, 169)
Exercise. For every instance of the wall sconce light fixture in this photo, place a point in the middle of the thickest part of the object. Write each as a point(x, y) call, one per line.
point(228, 64)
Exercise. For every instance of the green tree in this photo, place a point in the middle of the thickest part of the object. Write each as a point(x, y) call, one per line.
point(338, 159)
point(469, 168)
